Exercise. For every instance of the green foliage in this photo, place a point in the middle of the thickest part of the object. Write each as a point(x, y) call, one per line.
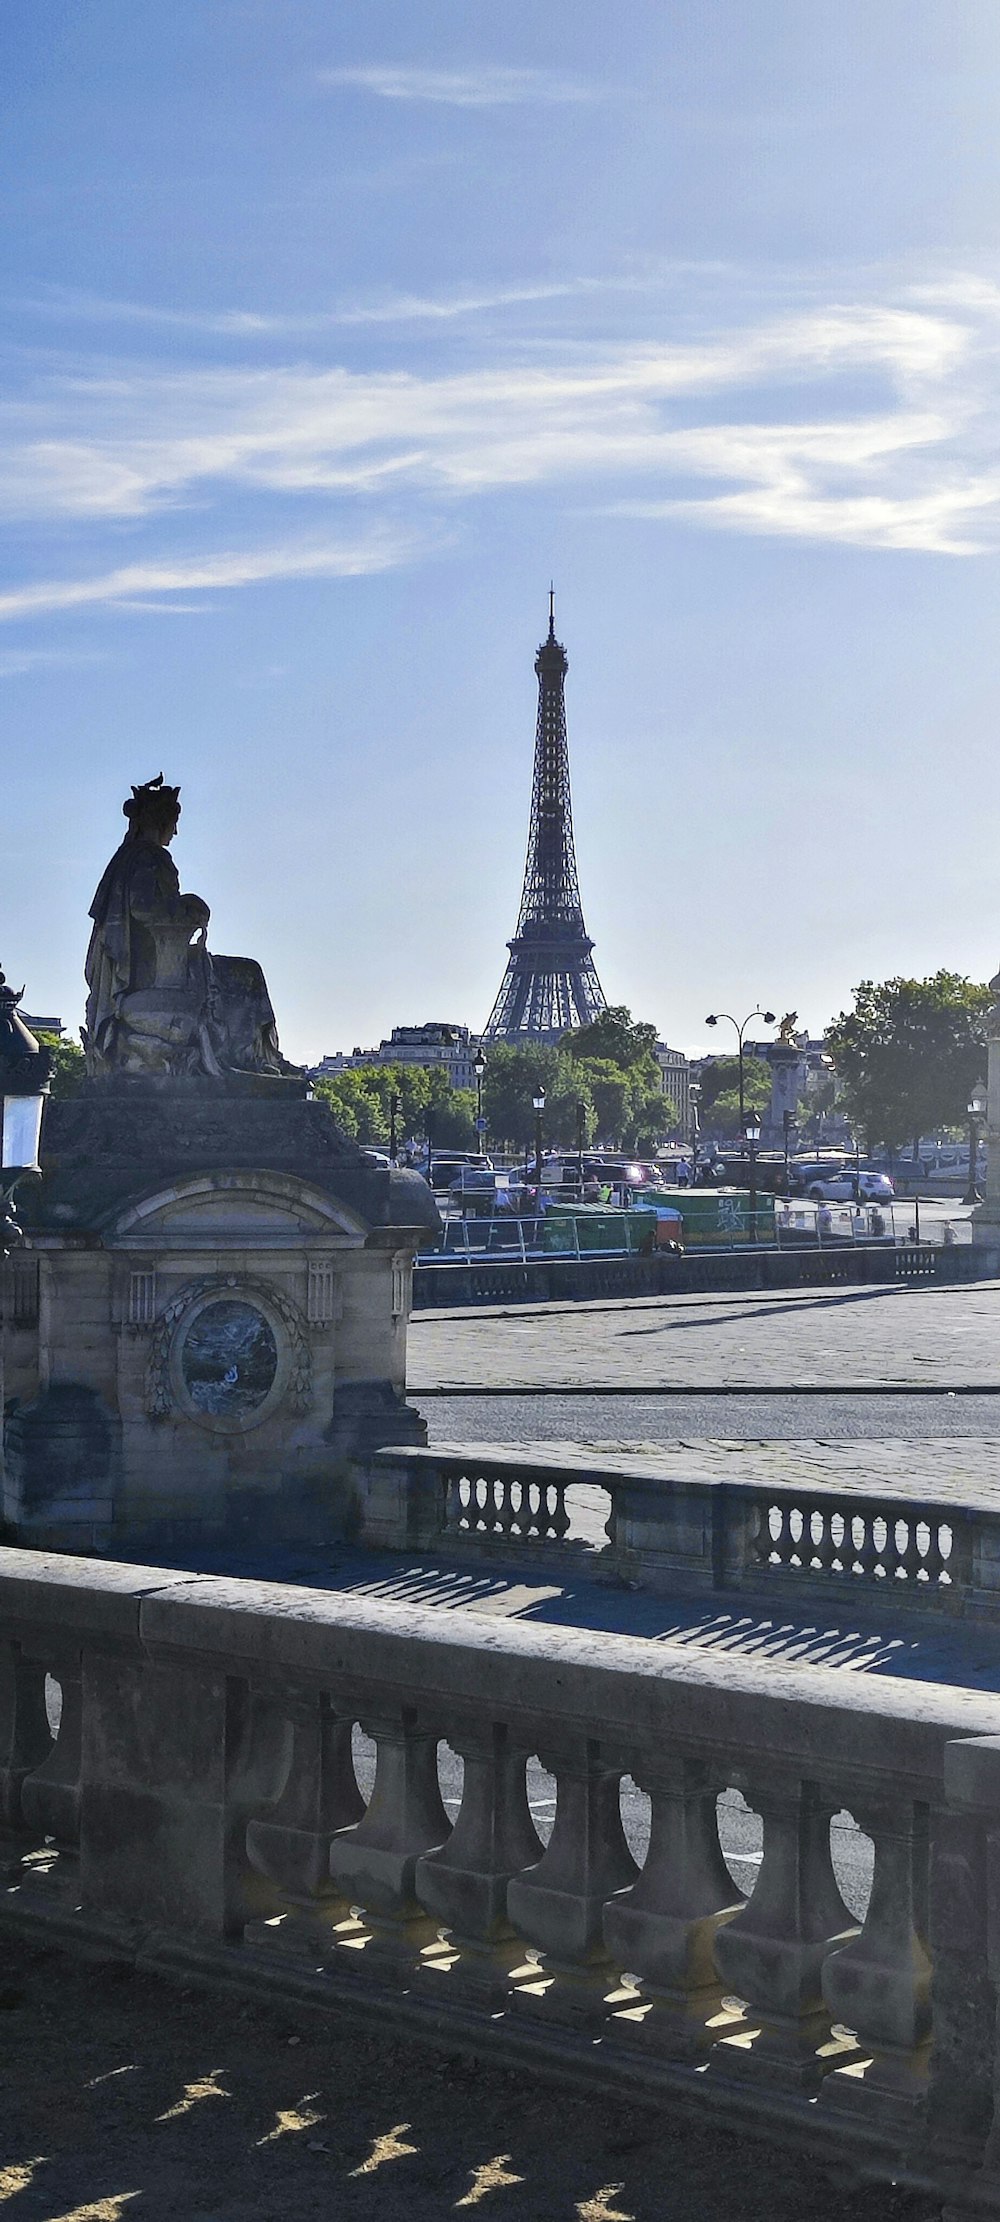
point(720, 1093)
point(68, 1065)
point(622, 1107)
point(360, 1099)
point(513, 1076)
point(615, 1038)
point(909, 1053)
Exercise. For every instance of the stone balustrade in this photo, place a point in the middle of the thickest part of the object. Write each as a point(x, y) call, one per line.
point(678, 1533)
point(769, 1892)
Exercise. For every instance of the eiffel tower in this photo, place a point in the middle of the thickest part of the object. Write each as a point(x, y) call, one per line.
point(550, 983)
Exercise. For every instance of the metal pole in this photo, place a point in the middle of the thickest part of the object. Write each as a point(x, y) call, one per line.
point(752, 1147)
point(538, 1149)
point(393, 1115)
point(430, 1146)
point(972, 1194)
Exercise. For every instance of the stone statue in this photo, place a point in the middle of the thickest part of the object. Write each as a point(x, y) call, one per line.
point(786, 1031)
point(157, 1001)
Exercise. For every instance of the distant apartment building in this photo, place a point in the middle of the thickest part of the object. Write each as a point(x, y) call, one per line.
point(675, 1080)
point(434, 1045)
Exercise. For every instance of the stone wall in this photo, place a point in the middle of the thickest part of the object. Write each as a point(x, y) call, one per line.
point(343, 1805)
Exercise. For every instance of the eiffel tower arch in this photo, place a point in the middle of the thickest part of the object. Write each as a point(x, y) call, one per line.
point(550, 983)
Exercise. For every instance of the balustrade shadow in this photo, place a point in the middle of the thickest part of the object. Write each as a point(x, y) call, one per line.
point(128, 2099)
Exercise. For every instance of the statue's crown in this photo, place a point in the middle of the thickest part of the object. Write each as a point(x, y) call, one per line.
point(154, 791)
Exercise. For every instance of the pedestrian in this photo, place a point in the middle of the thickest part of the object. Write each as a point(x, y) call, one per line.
point(683, 1176)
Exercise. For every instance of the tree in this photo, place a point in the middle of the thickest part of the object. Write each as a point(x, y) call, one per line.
point(618, 1038)
point(611, 1094)
point(69, 1065)
point(360, 1098)
point(514, 1074)
point(720, 1092)
point(909, 1053)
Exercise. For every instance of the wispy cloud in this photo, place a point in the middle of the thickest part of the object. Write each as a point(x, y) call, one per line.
point(15, 663)
point(133, 585)
point(484, 85)
point(65, 305)
point(873, 424)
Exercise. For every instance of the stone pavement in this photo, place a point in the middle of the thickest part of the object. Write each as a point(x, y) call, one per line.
point(902, 1335)
point(128, 2099)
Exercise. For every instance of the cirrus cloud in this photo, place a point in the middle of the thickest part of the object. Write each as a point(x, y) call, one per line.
point(483, 85)
point(869, 424)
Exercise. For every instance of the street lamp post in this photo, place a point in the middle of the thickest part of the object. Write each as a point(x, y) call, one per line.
point(538, 1102)
point(393, 1116)
point(751, 1131)
point(713, 1020)
point(977, 1113)
point(479, 1068)
point(694, 1095)
point(24, 1084)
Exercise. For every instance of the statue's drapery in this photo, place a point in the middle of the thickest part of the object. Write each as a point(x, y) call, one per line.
point(157, 1000)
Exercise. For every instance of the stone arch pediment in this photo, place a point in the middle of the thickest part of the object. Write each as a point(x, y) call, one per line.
point(219, 1209)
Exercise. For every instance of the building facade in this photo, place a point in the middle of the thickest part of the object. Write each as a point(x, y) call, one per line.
point(435, 1046)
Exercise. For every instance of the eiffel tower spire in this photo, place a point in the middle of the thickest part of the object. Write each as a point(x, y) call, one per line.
point(550, 983)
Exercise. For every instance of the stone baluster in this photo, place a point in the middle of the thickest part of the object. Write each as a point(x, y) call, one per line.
point(464, 1884)
point(662, 1931)
point(25, 1735)
point(962, 2134)
point(51, 1794)
point(290, 1845)
point(879, 1984)
point(178, 1757)
point(374, 1863)
point(771, 1955)
point(558, 1905)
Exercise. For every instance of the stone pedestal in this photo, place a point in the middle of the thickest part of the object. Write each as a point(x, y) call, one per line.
point(788, 1075)
point(218, 1337)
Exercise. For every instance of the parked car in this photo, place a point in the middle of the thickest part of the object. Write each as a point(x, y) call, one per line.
point(846, 1185)
point(452, 1163)
point(480, 1192)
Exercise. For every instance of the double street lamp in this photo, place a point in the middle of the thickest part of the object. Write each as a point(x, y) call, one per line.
point(713, 1020)
point(976, 1115)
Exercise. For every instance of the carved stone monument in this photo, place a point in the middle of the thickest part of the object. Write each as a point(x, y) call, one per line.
point(789, 1065)
point(209, 1330)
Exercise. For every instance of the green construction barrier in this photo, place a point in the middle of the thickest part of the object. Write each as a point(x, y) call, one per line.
point(567, 1227)
point(714, 1217)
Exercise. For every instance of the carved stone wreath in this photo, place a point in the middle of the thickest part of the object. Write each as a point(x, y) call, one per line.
point(298, 1388)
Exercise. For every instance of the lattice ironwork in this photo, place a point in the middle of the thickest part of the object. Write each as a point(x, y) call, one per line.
point(550, 983)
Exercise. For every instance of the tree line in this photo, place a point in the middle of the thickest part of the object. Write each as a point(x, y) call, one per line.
point(601, 1083)
point(904, 1061)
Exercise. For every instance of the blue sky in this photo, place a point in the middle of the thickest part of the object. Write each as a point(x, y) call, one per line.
point(331, 334)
